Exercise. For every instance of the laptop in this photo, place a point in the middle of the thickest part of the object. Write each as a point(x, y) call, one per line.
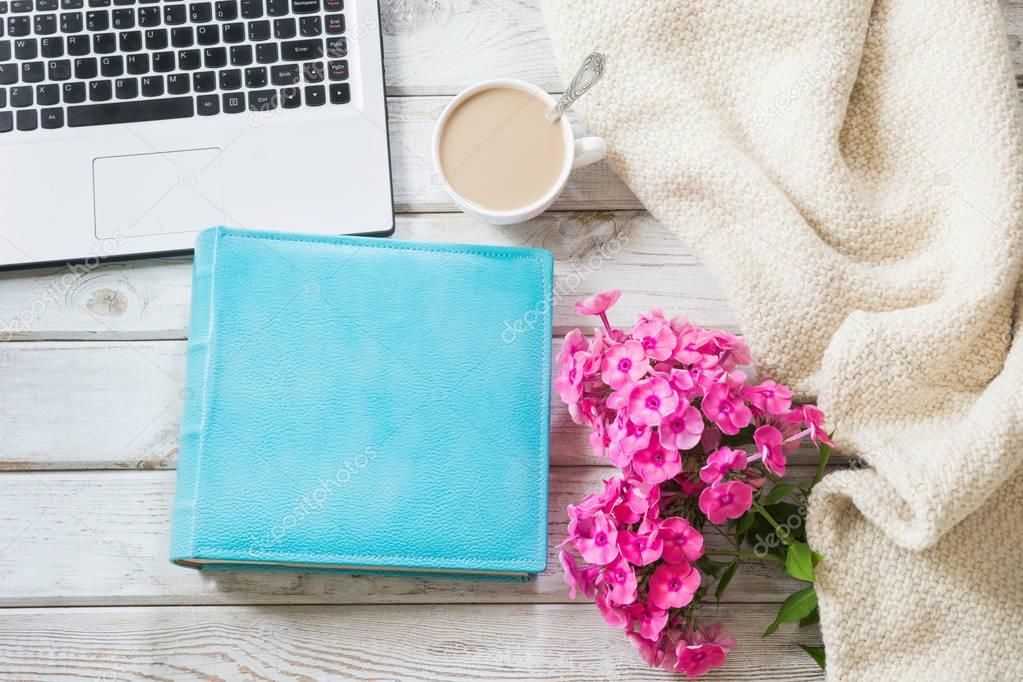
point(127, 126)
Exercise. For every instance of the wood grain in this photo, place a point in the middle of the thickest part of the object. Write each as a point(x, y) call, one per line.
point(536, 642)
point(117, 405)
point(149, 299)
point(100, 538)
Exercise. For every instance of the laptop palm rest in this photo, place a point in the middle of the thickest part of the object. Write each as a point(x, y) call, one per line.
point(160, 193)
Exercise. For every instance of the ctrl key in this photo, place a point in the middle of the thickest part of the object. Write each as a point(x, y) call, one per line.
point(340, 93)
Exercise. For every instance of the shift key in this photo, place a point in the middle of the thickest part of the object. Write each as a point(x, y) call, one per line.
point(302, 50)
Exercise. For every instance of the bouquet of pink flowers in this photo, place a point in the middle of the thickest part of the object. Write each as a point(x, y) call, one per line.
point(699, 448)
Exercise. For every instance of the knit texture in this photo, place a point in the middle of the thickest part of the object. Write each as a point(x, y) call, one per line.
point(850, 173)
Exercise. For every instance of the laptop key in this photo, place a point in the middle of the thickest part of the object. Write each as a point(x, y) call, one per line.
point(337, 47)
point(21, 6)
point(59, 69)
point(148, 17)
point(233, 32)
point(227, 10)
point(45, 24)
point(313, 72)
point(126, 88)
point(104, 43)
point(156, 39)
point(207, 35)
point(255, 77)
point(276, 8)
point(86, 68)
point(71, 22)
point(18, 26)
point(208, 105)
point(259, 30)
point(174, 15)
point(78, 46)
point(340, 93)
point(214, 57)
point(189, 60)
point(177, 83)
point(52, 47)
point(21, 96)
point(5, 50)
point(234, 103)
point(97, 21)
point(252, 9)
point(72, 4)
point(333, 5)
point(122, 19)
point(26, 48)
point(310, 26)
point(100, 91)
point(266, 53)
point(284, 74)
point(8, 74)
point(182, 36)
point(131, 41)
point(163, 62)
point(204, 81)
point(291, 98)
point(46, 5)
point(47, 95)
point(285, 28)
point(241, 55)
point(137, 64)
point(315, 95)
point(112, 66)
point(6, 121)
point(152, 86)
point(27, 119)
point(52, 118)
point(230, 79)
point(262, 100)
point(200, 12)
point(335, 24)
point(74, 93)
point(32, 72)
point(338, 71)
point(305, 6)
point(3, 98)
point(301, 50)
point(130, 112)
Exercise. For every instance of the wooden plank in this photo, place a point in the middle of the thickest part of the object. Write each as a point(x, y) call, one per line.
point(117, 405)
point(100, 538)
point(538, 642)
point(149, 299)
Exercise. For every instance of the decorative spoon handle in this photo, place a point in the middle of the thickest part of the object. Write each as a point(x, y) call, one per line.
point(585, 78)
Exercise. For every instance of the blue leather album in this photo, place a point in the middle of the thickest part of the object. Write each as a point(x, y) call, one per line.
point(362, 405)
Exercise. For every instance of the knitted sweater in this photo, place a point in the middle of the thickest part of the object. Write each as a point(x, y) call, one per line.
point(850, 172)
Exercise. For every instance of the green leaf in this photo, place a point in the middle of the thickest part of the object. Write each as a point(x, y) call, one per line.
point(822, 461)
point(812, 619)
point(726, 578)
point(799, 561)
point(778, 493)
point(796, 607)
point(709, 566)
point(746, 522)
point(817, 654)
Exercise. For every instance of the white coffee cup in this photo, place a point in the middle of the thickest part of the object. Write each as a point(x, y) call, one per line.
point(578, 153)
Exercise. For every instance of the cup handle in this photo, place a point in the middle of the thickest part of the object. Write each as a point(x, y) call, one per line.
point(589, 150)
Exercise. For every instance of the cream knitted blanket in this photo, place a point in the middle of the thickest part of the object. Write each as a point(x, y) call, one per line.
point(851, 173)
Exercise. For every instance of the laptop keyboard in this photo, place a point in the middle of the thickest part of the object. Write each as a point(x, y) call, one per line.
point(75, 63)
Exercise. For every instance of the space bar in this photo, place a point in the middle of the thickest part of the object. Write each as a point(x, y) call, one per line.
point(130, 112)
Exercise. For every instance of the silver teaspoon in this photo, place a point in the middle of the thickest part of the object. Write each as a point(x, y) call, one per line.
point(585, 78)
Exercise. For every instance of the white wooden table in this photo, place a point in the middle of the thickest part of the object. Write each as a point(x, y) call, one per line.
point(91, 399)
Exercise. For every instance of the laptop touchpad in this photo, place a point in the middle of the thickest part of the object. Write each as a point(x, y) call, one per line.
point(160, 193)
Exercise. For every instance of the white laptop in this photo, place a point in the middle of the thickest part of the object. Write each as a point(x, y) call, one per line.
point(126, 126)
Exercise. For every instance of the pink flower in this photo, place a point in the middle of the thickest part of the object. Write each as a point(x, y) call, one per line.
point(720, 463)
point(603, 501)
point(695, 660)
point(716, 634)
point(649, 651)
point(726, 501)
point(655, 464)
point(597, 539)
point(573, 343)
point(627, 438)
point(598, 305)
point(682, 542)
point(656, 338)
point(731, 351)
point(614, 616)
point(814, 420)
point(651, 620)
point(640, 548)
point(651, 401)
point(624, 363)
point(584, 579)
point(681, 429)
point(621, 582)
point(638, 499)
point(726, 410)
point(769, 397)
point(768, 440)
point(672, 585)
point(569, 383)
point(691, 345)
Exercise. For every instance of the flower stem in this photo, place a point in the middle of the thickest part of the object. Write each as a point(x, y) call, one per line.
point(607, 325)
point(745, 555)
point(782, 533)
